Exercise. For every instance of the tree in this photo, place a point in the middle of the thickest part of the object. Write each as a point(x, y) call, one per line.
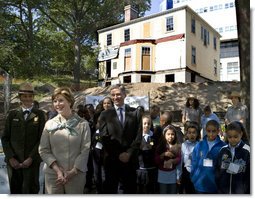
point(19, 43)
point(80, 19)
point(243, 27)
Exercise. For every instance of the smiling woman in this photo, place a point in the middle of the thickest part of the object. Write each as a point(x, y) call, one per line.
point(63, 101)
point(66, 163)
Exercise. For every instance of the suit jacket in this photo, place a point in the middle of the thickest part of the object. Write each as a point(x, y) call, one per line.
point(118, 138)
point(21, 137)
point(69, 150)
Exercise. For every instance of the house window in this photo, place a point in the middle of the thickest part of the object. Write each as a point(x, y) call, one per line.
point(127, 59)
point(127, 79)
point(193, 55)
point(214, 43)
point(193, 25)
point(170, 78)
point(169, 24)
point(109, 39)
point(108, 68)
point(146, 57)
point(145, 78)
point(193, 77)
point(226, 28)
point(127, 34)
point(205, 36)
point(215, 67)
point(114, 65)
point(232, 68)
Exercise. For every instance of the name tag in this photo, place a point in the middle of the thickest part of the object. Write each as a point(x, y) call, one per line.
point(188, 163)
point(99, 145)
point(207, 163)
point(233, 168)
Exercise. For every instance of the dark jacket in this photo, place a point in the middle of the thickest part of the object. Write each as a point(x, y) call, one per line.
point(21, 137)
point(117, 138)
point(147, 152)
point(234, 183)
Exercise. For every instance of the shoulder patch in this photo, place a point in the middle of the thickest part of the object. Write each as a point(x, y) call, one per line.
point(247, 147)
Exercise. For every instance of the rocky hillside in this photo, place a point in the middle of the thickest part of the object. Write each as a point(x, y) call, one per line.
point(169, 96)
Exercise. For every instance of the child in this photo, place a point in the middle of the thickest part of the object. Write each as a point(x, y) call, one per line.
point(233, 165)
point(208, 115)
point(204, 158)
point(245, 137)
point(147, 172)
point(168, 156)
point(192, 138)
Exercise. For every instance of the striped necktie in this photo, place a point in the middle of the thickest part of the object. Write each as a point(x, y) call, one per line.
point(121, 115)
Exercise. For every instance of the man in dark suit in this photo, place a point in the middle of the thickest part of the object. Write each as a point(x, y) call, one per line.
point(119, 133)
point(20, 140)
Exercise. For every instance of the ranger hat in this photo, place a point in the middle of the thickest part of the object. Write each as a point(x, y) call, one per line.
point(234, 94)
point(191, 96)
point(26, 88)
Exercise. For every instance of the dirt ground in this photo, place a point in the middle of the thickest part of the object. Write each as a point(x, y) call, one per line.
point(169, 96)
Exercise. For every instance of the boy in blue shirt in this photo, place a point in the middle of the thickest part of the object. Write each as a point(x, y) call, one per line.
point(204, 156)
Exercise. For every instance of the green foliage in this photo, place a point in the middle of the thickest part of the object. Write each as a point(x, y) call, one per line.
point(40, 38)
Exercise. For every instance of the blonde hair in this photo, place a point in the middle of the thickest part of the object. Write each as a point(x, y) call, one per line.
point(66, 93)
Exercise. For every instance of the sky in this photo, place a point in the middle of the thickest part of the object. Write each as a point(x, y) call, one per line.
point(154, 7)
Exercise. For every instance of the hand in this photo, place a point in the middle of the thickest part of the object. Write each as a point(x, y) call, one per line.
point(124, 157)
point(14, 163)
point(169, 154)
point(27, 162)
point(60, 173)
point(61, 180)
point(69, 174)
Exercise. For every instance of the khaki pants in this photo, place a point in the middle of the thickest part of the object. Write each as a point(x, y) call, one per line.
point(74, 186)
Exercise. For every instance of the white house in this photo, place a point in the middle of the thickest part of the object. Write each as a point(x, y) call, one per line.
point(175, 45)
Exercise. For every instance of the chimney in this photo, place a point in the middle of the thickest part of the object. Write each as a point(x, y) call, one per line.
point(131, 12)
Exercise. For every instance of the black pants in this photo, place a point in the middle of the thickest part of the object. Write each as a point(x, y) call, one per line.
point(118, 174)
point(147, 181)
point(187, 186)
point(89, 173)
point(98, 169)
point(24, 181)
